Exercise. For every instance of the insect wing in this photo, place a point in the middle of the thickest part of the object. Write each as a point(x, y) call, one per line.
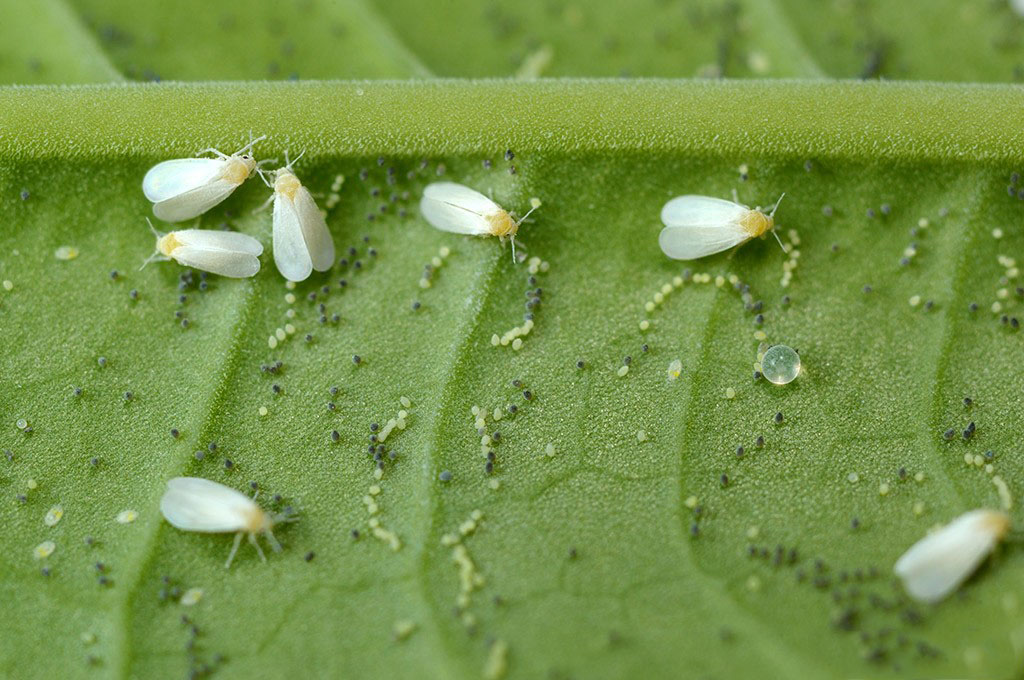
point(314, 231)
point(222, 240)
point(290, 252)
point(172, 178)
point(194, 202)
point(228, 263)
point(692, 211)
point(457, 208)
point(696, 226)
point(196, 504)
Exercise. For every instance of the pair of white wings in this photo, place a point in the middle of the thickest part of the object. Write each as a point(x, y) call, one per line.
point(185, 188)
point(197, 504)
point(937, 564)
point(457, 208)
point(696, 226)
point(302, 241)
point(227, 253)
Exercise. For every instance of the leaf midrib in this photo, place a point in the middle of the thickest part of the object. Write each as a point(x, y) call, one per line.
point(893, 122)
point(178, 465)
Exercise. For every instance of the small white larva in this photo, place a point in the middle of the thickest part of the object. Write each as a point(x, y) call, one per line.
point(227, 253)
point(184, 188)
point(696, 226)
point(937, 564)
point(461, 210)
point(197, 504)
point(302, 241)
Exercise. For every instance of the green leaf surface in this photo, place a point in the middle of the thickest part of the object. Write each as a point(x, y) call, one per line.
point(46, 42)
point(588, 561)
point(64, 41)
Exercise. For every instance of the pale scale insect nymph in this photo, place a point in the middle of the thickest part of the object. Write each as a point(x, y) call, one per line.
point(697, 226)
point(202, 505)
point(458, 209)
point(184, 188)
point(302, 241)
point(227, 253)
point(937, 564)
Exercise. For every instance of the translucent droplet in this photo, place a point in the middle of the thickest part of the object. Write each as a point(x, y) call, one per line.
point(781, 364)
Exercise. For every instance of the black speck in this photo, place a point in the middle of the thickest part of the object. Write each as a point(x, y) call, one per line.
point(445, 476)
point(228, 464)
point(309, 556)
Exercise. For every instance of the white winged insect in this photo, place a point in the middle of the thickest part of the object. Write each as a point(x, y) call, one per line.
point(227, 253)
point(937, 564)
point(184, 188)
point(302, 241)
point(202, 505)
point(461, 210)
point(696, 226)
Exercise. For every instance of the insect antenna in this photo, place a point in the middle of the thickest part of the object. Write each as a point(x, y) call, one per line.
point(156, 251)
point(252, 143)
point(289, 163)
point(779, 239)
point(772, 214)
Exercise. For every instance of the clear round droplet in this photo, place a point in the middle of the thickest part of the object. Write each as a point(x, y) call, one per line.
point(780, 365)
